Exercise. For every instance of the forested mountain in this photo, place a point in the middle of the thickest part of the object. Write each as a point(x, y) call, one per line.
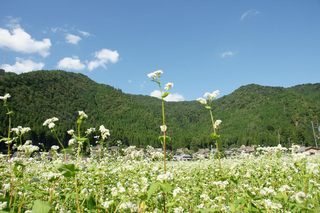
point(252, 114)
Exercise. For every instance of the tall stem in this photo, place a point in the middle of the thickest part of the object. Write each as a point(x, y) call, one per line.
point(65, 155)
point(217, 145)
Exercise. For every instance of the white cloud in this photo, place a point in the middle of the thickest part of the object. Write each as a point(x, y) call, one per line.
point(72, 39)
point(22, 66)
point(20, 41)
point(171, 97)
point(84, 33)
point(250, 13)
point(228, 53)
point(68, 63)
point(103, 56)
point(130, 81)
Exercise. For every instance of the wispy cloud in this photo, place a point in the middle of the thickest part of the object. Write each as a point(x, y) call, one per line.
point(228, 53)
point(174, 97)
point(22, 66)
point(72, 39)
point(250, 13)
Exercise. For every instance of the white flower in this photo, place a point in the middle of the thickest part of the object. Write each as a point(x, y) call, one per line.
point(158, 72)
point(51, 125)
point(82, 114)
point(5, 97)
point(202, 100)
point(71, 142)
point(212, 95)
point(70, 132)
point(19, 130)
point(168, 86)
point(177, 191)
point(164, 177)
point(217, 123)
point(3, 205)
point(178, 210)
point(300, 197)
point(92, 129)
point(152, 75)
point(28, 147)
point(54, 147)
point(50, 120)
point(163, 128)
point(104, 132)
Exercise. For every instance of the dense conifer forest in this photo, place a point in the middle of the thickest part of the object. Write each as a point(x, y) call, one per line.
point(252, 114)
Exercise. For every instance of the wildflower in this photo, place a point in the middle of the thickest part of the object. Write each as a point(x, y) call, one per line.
point(163, 128)
point(104, 132)
point(152, 75)
point(165, 177)
point(5, 97)
point(3, 205)
point(128, 205)
point(51, 125)
point(54, 147)
point(89, 131)
point(19, 130)
point(49, 121)
point(300, 197)
point(72, 141)
point(177, 191)
point(168, 86)
point(212, 95)
point(202, 100)
point(28, 147)
point(82, 114)
point(178, 210)
point(205, 197)
point(107, 203)
point(217, 123)
point(70, 132)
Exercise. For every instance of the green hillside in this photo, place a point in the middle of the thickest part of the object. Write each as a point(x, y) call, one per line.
point(252, 114)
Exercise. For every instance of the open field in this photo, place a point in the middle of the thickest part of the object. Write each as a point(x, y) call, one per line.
point(268, 181)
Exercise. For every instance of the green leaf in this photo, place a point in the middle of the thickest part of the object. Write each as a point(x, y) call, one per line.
point(40, 206)
point(79, 121)
point(161, 138)
point(214, 136)
point(6, 139)
point(90, 202)
point(153, 188)
point(240, 201)
point(9, 113)
point(68, 170)
point(81, 139)
point(165, 95)
point(208, 107)
point(170, 204)
point(166, 187)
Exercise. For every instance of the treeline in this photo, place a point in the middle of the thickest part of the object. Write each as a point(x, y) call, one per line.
point(252, 114)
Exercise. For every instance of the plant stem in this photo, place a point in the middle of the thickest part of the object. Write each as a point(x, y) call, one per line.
point(217, 145)
point(65, 154)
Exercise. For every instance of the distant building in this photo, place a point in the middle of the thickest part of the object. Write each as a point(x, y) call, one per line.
point(310, 150)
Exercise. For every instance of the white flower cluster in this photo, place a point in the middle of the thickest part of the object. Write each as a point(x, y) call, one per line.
point(168, 86)
point(3, 205)
point(270, 205)
point(104, 132)
point(165, 177)
point(90, 130)
point(128, 206)
point(19, 130)
point(213, 95)
point(272, 149)
point(27, 147)
point(70, 132)
point(154, 75)
point(157, 155)
point(50, 122)
point(163, 128)
point(5, 97)
point(178, 209)
point(55, 148)
point(220, 183)
point(202, 101)
point(217, 123)
point(177, 191)
point(82, 115)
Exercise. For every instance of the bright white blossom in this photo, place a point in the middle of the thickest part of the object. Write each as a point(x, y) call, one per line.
point(104, 132)
point(163, 128)
point(154, 75)
point(54, 147)
point(217, 123)
point(168, 86)
point(89, 131)
point(5, 97)
point(82, 114)
point(19, 130)
point(49, 121)
point(202, 100)
point(212, 95)
point(70, 132)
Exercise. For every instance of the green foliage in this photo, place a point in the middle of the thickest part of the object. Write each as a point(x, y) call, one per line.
point(252, 114)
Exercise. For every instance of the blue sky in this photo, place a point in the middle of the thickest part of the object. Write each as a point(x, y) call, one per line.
point(201, 46)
